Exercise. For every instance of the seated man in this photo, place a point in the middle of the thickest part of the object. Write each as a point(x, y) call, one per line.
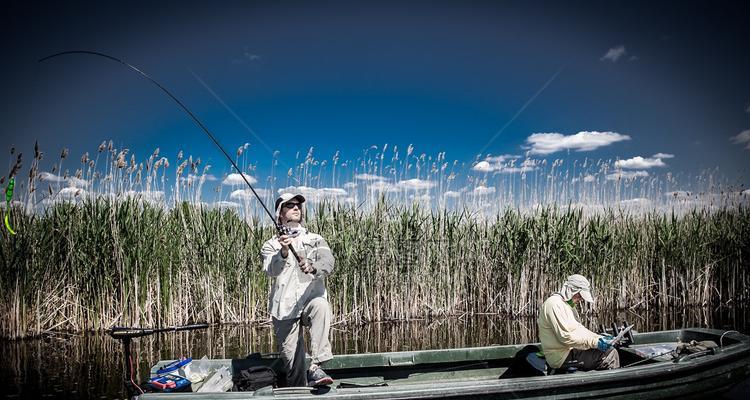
point(562, 335)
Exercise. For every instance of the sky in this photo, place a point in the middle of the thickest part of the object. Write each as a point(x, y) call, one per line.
point(660, 86)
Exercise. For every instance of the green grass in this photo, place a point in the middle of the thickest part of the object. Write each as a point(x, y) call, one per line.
point(103, 262)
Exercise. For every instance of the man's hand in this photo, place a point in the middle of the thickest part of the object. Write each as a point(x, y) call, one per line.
point(306, 268)
point(605, 343)
point(285, 242)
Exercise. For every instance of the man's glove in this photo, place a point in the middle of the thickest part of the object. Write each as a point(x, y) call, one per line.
point(605, 343)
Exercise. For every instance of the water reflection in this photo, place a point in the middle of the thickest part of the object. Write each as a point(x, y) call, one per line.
point(90, 366)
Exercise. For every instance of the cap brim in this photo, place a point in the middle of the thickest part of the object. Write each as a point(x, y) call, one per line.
point(587, 296)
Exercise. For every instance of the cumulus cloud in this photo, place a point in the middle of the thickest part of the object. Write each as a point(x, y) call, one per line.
point(639, 162)
point(743, 138)
point(504, 164)
point(154, 196)
point(315, 194)
point(614, 54)
point(369, 177)
point(236, 179)
point(547, 143)
point(483, 190)
point(637, 202)
point(350, 185)
point(70, 180)
point(678, 194)
point(247, 194)
point(191, 178)
point(626, 175)
point(426, 198)
point(225, 204)
point(382, 186)
point(452, 194)
point(663, 155)
point(589, 178)
point(483, 166)
point(415, 184)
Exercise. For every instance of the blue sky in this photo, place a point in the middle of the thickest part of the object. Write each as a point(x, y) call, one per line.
point(343, 76)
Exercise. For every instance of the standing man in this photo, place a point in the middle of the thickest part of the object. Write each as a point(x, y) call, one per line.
point(563, 336)
point(298, 296)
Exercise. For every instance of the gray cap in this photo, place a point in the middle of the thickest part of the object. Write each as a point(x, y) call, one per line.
point(577, 284)
point(285, 198)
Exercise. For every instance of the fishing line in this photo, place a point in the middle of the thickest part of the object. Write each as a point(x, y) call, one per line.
point(281, 229)
point(523, 107)
point(239, 119)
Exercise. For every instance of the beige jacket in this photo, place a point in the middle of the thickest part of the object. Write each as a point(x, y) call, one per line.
point(293, 289)
point(560, 330)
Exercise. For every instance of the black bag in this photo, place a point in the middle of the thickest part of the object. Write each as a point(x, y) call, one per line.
point(520, 365)
point(254, 378)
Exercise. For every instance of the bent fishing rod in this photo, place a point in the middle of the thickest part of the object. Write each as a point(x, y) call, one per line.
point(281, 229)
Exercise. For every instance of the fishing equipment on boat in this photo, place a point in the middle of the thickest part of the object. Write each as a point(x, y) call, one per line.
point(8, 198)
point(126, 335)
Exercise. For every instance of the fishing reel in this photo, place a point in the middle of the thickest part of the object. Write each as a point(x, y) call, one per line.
point(623, 335)
point(285, 230)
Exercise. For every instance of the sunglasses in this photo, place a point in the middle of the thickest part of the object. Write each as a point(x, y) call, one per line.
point(292, 205)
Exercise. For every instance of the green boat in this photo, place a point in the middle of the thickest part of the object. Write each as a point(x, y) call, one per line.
point(651, 368)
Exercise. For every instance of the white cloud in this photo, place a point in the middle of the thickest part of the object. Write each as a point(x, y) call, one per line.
point(236, 179)
point(746, 192)
point(614, 54)
point(247, 194)
point(426, 198)
point(626, 175)
point(742, 138)
point(70, 181)
point(415, 184)
point(452, 194)
point(225, 204)
point(589, 178)
point(154, 196)
point(662, 155)
point(315, 194)
point(350, 185)
point(504, 164)
point(639, 162)
point(200, 178)
point(483, 190)
point(637, 202)
point(546, 143)
point(369, 177)
point(382, 186)
point(678, 193)
point(483, 166)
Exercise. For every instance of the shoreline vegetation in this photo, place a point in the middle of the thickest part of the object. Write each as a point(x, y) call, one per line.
point(115, 243)
point(98, 263)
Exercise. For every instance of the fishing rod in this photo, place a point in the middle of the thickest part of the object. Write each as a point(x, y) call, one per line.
point(281, 229)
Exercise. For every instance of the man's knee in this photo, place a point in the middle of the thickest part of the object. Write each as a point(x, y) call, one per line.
point(318, 307)
point(610, 359)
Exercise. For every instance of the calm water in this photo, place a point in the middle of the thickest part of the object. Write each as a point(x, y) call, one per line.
point(90, 366)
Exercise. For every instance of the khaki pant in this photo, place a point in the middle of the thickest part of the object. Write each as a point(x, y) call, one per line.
point(595, 358)
point(291, 342)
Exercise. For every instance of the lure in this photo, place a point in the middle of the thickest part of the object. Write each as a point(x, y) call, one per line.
point(8, 198)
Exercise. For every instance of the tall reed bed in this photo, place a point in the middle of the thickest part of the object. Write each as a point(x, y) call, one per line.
point(123, 261)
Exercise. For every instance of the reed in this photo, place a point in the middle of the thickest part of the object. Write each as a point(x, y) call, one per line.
point(105, 246)
point(102, 262)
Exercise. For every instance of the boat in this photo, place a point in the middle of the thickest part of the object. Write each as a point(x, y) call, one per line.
point(651, 368)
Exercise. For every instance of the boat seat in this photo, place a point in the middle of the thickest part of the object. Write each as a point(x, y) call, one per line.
point(540, 364)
